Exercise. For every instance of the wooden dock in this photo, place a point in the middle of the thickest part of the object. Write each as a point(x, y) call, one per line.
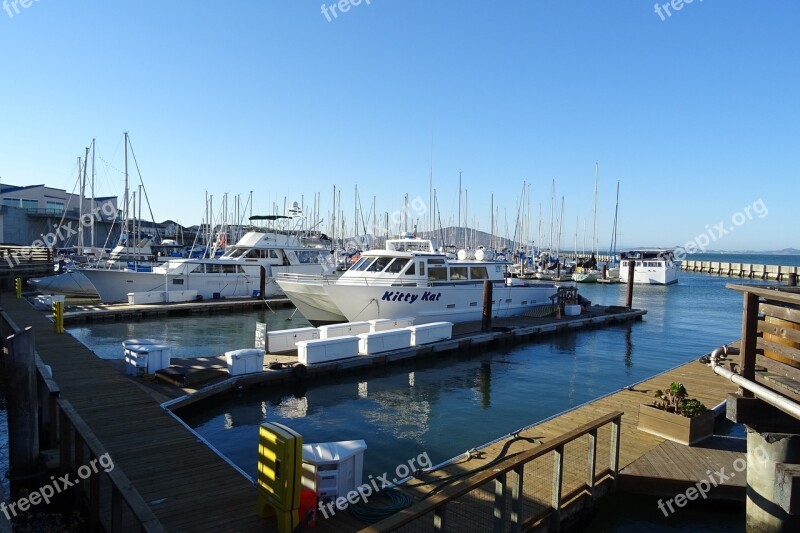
point(93, 312)
point(187, 485)
point(201, 380)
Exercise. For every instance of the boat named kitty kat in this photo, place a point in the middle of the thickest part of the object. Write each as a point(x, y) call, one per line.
point(410, 278)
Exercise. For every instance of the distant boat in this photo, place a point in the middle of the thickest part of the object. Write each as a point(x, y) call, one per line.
point(653, 266)
point(411, 279)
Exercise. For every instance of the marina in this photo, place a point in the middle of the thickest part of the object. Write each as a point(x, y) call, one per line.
point(696, 376)
point(292, 268)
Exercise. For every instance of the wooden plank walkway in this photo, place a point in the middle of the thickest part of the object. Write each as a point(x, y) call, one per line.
point(93, 311)
point(665, 466)
point(672, 468)
point(188, 486)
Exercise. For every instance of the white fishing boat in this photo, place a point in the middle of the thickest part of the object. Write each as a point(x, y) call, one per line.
point(247, 268)
point(652, 266)
point(410, 278)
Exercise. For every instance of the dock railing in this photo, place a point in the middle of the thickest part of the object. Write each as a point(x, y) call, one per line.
point(107, 496)
point(539, 486)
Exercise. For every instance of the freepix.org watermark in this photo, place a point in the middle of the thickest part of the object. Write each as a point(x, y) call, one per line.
point(58, 485)
point(65, 231)
point(375, 485)
point(704, 486)
point(665, 10)
point(12, 7)
point(699, 244)
point(343, 6)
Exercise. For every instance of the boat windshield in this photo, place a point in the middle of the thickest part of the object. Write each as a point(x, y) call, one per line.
point(379, 264)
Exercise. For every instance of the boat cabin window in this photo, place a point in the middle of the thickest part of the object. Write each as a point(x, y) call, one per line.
point(309, 256)
point(478, 273)
point(437, 273)
point(458, 273)
point(396, 266)
point(421, 268)
point(357, 264)
point(379, 264)
point(365, 264)
point(411, 268)
point(221, 268)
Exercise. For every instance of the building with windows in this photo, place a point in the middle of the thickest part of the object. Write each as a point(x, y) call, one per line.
point(37, 213)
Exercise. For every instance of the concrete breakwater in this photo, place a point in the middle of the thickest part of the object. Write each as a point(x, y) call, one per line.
point(741, 270)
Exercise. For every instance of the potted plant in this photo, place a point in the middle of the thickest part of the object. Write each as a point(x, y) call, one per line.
point(675, 416)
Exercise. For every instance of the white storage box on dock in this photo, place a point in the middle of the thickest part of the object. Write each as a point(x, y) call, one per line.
point(160, 297)
point(339, 330)
point(181, 296)
point(332, 469)
point(150, 297)
point(286, 339)
point(572, 309)
point(427, 333)
point(382, 324)
point(384, 341)
point(326, 350)
point(146, 358)
point(246, 361)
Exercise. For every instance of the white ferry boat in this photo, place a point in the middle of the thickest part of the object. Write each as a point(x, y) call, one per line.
point(410, 278)
point(238, 272)
point(654, 266)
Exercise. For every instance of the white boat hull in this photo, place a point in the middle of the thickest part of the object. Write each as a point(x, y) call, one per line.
point(451, 303)
point(113, 286)
point(651, 275)
point(590, 276)
point(69, 283)
point(311, 299)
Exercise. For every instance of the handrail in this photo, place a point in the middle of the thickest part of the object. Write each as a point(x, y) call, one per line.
point(479, 479)
point(778, 294)
point(122, 490)
point(120, 482)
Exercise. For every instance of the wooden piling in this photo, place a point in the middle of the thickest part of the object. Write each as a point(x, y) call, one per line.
point(23, 408)
point(792, 279)
point(631, 268)
point(263, 283)
point(486, 319)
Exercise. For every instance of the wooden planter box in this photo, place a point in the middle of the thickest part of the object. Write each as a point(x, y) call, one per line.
point(674, 427)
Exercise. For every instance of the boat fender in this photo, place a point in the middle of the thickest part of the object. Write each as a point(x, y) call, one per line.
point(299, 371)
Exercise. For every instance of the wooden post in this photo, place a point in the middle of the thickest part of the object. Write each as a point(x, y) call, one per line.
point(792, 279)
point(631, 268)
point(605, 271)
point(262, 287)
point(749, 339)
point(23, 407)
point(486, 322)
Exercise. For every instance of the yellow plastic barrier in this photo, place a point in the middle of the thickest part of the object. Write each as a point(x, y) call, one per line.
point(280, 458)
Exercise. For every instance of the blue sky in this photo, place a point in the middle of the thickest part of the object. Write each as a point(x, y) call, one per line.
point(697, 115)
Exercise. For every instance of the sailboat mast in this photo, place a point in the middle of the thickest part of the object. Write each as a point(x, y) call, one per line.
point(91, 231)
point(594, 231)
point(127, 212)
